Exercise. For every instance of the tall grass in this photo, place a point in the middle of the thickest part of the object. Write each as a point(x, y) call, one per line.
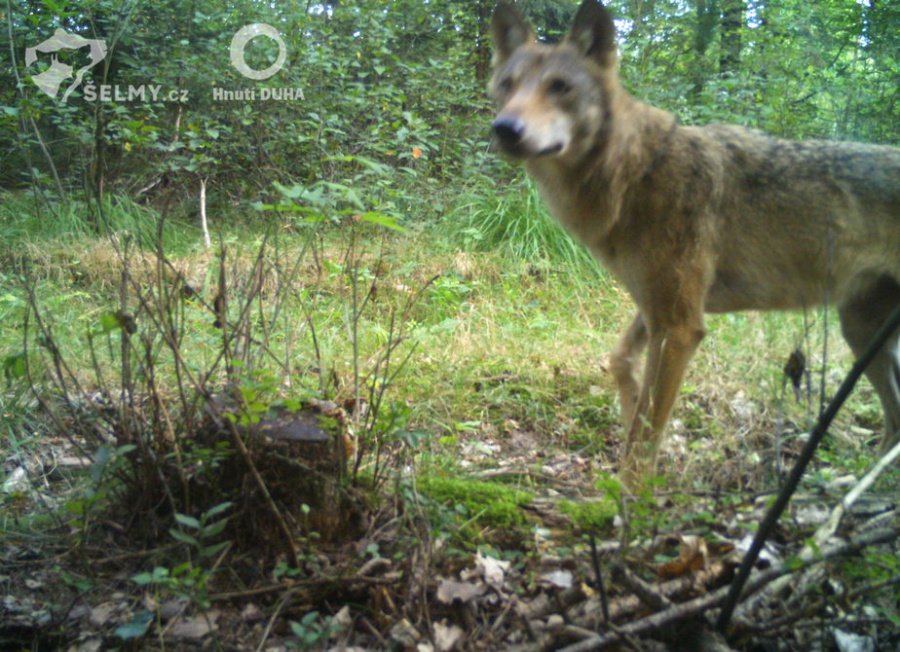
point(25, 218)
point(516, 220)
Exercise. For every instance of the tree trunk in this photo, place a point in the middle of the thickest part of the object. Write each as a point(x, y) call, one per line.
point(731, 22)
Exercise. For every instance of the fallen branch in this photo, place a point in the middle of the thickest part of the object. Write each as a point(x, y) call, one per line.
point(294, 585)
point(646, 593)
point(773, 625)
point(827, 530)
point(831, 525)
point(891, 324)
point(755, 582)
point(624, 606)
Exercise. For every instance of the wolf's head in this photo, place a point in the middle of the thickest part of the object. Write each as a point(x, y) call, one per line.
point(552, 100)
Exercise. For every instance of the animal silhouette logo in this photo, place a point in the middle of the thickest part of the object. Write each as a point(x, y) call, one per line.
point(51, 79)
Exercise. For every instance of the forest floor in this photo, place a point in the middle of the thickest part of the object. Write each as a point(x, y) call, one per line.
point(404, 446)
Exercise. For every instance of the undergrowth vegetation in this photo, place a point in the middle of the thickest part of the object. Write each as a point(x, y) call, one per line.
point(322, 373)
point(249, 406)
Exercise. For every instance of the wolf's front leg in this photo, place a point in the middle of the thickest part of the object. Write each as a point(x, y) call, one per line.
point(669, 352)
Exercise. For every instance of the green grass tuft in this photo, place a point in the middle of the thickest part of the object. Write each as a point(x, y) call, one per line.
point(25, 218)
point(517, 221)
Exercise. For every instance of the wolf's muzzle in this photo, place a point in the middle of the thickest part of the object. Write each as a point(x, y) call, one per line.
point(509, 131)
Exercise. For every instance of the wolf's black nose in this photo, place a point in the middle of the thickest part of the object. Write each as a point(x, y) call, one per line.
point(508, 130)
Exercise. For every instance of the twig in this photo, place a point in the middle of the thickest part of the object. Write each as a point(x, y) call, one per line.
point(294, 585)
point(21, 87)
point(640, 588)
point(203, 223)
point(831, 525)
point(701, 604)
point(827, 530)
point(771, 519)
point(770, 626)
point(278, 608)
point(598, 574)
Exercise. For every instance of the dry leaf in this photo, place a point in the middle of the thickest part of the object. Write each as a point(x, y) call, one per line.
point(447, 637)
point(559, 579)
point(193, 629)
point(492, 570)
point(100, 615)
point(450, 590)
point(404, 633)
point(692, 557)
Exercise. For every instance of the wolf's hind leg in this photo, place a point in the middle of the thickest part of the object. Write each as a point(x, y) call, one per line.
point(861, 317)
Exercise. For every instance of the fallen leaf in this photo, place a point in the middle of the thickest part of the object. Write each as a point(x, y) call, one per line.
point(404, 633)
point(447, 637)
point(343, 618)
point(492, 570)
point(559, 579)
point(193, 629)
point(692, 557)
point(450, 590)
point(100, 614)
point(172, 608)
point(849, 642)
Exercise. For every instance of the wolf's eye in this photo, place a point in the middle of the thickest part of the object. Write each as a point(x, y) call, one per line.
point(559, 87)
point(505, 84)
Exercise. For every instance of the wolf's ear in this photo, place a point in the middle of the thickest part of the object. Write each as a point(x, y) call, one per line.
point(593, 33)
point(509, 30)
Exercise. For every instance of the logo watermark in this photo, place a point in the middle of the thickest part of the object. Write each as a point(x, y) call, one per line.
point(251, 94)
point(141, 93)
point(51, 79)
point(240, 40)
point(95, 51)
point(236, 52)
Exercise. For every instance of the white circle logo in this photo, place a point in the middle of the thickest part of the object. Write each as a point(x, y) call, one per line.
point(243, 37)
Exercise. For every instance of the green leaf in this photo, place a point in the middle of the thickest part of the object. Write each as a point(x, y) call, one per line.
point(76, 507)
point(218, 509)
point(214, 529)
point(159, 574)
point(14, 366)
point(113, 321)
point(136, 627)
point(290, 192)
point(212, 551)
point(187, 521)
point(382, 219)
point(793, 563)
point(101, 459)
point(184, 537)
point(109, 322)
point(184, 569)
point(55, 8)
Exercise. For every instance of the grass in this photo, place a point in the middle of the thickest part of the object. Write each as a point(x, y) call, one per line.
point(506, 338)
point(476, 376)
point(25, 218)
point(515, 220)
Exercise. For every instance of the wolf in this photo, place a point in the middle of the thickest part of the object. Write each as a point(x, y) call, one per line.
point(695, 219)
